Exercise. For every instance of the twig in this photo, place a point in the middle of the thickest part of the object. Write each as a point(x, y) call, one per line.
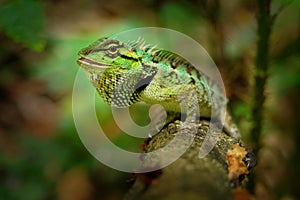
point(264, 21)
point(264, 25)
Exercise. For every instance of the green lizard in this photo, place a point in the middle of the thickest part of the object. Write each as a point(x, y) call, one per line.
point(125, 73)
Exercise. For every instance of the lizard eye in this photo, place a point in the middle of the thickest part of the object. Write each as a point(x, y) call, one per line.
point(113, 49)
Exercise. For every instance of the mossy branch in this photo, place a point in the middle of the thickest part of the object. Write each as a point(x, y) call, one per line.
point(191, 177)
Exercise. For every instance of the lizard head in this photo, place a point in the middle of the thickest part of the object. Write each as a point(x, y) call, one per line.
point(116, 70)
point(107, 54)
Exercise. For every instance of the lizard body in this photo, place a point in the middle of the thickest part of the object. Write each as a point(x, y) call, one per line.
point(125, 73)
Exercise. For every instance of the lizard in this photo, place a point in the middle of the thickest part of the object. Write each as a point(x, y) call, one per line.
point(124, 73)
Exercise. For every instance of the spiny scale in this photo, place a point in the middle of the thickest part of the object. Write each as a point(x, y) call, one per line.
point(141, 44)
point(173, 59)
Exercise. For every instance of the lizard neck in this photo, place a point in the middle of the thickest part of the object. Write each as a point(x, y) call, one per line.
point(121, 89)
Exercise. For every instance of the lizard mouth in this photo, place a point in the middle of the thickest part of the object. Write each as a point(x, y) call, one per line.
point(87, 63)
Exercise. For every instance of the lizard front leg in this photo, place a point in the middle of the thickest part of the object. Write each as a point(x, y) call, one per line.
point(177, 101)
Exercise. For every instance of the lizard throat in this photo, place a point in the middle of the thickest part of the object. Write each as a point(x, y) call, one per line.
point(86, 63)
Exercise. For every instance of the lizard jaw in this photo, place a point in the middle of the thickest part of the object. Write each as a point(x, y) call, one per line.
point(87, 63)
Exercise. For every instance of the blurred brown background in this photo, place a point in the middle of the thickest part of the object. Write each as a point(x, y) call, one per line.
point(41, 155)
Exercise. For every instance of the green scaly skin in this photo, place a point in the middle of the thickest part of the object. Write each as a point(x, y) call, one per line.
point(127, 73)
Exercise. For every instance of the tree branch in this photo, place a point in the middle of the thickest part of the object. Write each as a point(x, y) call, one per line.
point(191, 177)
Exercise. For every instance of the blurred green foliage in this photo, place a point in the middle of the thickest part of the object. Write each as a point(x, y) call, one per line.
point(176, 16)
point(59, 68)
point(24, 20)
point(285, 78)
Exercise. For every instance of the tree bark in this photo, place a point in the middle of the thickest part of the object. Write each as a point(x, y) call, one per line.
point(190, 177)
